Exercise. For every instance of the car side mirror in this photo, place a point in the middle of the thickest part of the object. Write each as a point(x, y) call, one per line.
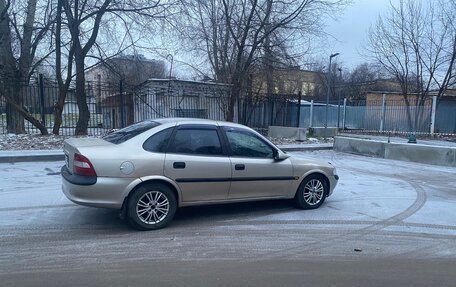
point(279, 155)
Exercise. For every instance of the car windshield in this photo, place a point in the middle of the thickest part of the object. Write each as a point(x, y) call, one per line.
point(129, 132)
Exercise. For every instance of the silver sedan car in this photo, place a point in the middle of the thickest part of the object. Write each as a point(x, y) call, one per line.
point(149, 169)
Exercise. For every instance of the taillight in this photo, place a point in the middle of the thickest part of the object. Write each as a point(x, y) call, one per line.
point(83, 166)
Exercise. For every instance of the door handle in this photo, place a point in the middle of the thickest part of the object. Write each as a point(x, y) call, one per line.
point(239, 167)
point(179, 165)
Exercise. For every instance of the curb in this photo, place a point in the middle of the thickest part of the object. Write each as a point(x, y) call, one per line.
point(31, 156)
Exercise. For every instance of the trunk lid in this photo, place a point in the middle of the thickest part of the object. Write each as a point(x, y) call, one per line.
point(79, 145)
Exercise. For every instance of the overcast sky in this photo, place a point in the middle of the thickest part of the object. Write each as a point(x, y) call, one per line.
point(351, 30)
point(349, 34)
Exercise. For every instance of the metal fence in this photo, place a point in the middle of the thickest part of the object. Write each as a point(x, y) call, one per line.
point(372, 116)
point(393, 115)
point(389, 118)
point(260, 112)
point(116, 105)
point(39, 99)
point(389, 115)
point(113, 106)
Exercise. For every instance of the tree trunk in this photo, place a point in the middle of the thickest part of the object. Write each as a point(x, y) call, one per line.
point(15, 73)
point(16, 113)
point(268, 63)
point(18, 109)
point(14, 119)
point(408, 112)
point(419, 116)
point(63, 86)
point(10, 75)
point(81, 99)
point(58, 110)
point(235, 94)
point(57, 120)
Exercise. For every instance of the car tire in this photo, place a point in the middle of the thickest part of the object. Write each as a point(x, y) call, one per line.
point(312, 192)
point(151, 206)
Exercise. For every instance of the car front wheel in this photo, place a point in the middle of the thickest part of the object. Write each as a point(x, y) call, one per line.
point(312, 192)
point(151, 206)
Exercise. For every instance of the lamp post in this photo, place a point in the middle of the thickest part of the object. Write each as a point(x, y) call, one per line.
point(328, 91)
point(338, 97)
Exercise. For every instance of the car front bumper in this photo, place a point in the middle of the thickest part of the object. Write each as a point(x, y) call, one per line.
point(333, 179)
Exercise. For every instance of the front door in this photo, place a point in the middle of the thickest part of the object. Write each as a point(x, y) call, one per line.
point(255, 172)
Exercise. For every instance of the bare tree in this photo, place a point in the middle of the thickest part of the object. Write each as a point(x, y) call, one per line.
point(365, 77)
point(234, 35)
point(63, 84)
point(20, 36)
point(84, 18)
point(415, 44)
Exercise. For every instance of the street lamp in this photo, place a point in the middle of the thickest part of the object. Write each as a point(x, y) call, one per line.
point(338, 97)
point(328, 91)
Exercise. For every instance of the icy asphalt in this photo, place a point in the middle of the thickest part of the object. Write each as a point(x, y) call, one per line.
point(388, 223)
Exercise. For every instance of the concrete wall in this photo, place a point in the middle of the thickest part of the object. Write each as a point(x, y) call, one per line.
point(422, 153)
point(287, 132)
point(300, 133)
point(437, 155)
point(322, 132)
point(360, 146)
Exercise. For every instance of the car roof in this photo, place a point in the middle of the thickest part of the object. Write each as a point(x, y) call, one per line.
point(195, 120)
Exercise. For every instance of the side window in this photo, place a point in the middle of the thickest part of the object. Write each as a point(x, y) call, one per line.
point(159, 141)
point(196, 141)
point(247, 144)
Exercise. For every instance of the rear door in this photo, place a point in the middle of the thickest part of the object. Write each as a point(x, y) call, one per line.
point(197, 162)
point(255, 172)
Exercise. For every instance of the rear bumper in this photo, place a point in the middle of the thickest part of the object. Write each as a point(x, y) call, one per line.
point(77, 179)
point(106, 192)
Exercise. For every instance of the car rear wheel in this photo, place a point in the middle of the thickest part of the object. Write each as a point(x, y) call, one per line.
point(151, 206)
point(312, 192)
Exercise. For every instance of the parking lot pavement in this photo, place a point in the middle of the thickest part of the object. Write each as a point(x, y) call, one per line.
point(382, 210)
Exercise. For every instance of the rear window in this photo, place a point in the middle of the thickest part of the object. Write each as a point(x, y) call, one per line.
point(129, 132)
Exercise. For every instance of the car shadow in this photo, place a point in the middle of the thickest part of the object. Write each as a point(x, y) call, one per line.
point(94, 219)
point(230, 211)
point(109, 221)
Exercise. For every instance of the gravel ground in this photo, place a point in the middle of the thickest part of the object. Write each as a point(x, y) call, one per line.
point(39, 142)
point(31, 142)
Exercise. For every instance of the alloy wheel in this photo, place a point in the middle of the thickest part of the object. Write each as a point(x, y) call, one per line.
point(152, 207)
point(313, 192)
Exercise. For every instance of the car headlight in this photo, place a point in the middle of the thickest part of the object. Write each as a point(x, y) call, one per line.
point(334, 169)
